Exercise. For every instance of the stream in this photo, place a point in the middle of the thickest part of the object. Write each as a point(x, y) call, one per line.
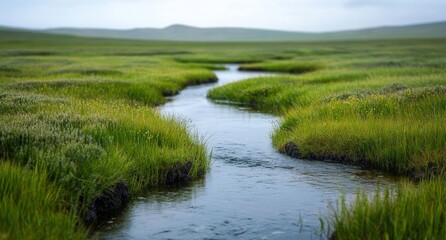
point(250, 192)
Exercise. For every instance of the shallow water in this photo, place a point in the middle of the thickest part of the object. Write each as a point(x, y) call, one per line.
point(250, 192)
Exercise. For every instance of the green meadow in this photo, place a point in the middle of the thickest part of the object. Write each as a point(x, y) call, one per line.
point(78, 115)
point(380, 105)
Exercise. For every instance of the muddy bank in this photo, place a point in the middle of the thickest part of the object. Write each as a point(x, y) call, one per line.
point(115, 198)
point(179, 173)
point(291, 149)
point(110, 201)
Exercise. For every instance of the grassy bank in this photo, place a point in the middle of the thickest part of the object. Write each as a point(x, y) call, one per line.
point(77, 117)
point(381, 107)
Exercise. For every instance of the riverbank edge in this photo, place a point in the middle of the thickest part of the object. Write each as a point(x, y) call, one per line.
point(291, 149)
point(116, 197)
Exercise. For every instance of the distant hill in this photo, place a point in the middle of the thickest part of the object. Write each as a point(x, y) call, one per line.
point(187, 33)
point(183, 33)
point(418, 31)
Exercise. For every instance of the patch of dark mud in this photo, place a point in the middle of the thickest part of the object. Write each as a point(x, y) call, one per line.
point(109, 202)
point(292, 150)
point(179, 173)
point(416, 175)
point(431, 171)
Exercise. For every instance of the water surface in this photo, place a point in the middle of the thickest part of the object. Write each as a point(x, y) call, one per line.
point(250, 192)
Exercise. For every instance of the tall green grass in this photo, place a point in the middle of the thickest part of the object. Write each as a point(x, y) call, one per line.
point(76, 113)
point(32, 207)
point(407, 212)
point(401, 132)
point(382, 106)
point(132, 78)
point(282, 66)
point(86, 146)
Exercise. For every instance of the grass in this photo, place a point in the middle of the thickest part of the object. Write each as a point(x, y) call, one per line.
point(77, 115)
point(382, 107)
point(281, 66)
point(32, 207)
point(356, 107)
point(74, 122)
point(408, 212)
point(389, 131)
point(85, 146)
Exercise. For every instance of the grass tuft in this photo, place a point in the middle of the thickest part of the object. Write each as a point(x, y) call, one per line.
point(408, 212)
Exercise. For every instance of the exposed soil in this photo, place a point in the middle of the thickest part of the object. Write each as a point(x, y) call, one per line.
point(116, 197)
point(179, 173)
point(292, 150)
point(416, 175)
point(110, 201)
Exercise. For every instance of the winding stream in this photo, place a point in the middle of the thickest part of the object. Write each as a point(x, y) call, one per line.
point(250, 192)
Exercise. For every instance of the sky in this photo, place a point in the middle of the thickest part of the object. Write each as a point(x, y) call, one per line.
point(292, 15)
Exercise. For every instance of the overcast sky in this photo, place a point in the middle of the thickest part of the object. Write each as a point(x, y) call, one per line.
point(295, 15)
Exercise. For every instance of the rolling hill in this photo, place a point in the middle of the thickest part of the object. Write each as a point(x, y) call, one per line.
point(179, 32)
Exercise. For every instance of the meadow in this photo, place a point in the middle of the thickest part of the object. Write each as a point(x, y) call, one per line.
point(75, 123)
point(77, 116)
point(378, 105)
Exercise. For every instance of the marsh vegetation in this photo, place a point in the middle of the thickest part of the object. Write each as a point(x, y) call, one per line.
point(381, 106)
point(77, 116)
